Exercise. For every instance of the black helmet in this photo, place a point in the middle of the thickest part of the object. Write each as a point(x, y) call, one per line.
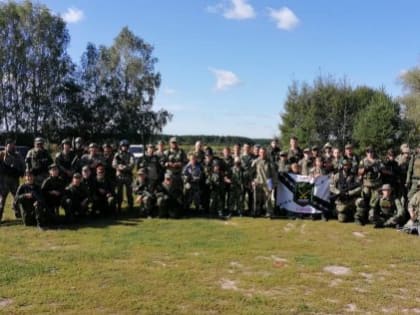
point(66, 141)
point(124, 143)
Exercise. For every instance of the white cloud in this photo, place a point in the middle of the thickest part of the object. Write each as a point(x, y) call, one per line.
point(73, 15)
point(169, 91)
point(224, 79)
point(285, 18)
point(234, 9)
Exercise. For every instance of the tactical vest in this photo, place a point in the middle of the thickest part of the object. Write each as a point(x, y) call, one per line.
point(386, 206)
point(416, 167)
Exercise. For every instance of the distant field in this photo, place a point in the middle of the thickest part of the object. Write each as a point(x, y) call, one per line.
point(199, 266)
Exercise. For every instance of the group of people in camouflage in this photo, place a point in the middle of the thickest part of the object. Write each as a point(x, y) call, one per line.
point(91, 181)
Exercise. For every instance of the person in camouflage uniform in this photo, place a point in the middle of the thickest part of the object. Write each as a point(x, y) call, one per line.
point(370, 172)
point(175, 161)
point(199, 152)
point(227, 164)
point(79, 150)
point(283, 164)
point(413, 175)
point(76, 199)
point(403, 160)
point(192, 175)
point(30, 203)
point(336, 160)
point(306, 162)
point(345, 187)
point(12, 168)
point(237, 187)
point(388, 210)
point(145, 198)
point(169, 202)
point(350, 156)
point(294, 155)
point(246, 162)
point(37, 160)
point(108, 158)
point(204, 187)
point(103, 196)
point(160, 153)
point(93, 158)
point(53, 190)
point(318, 168)
point(263, 184)
point(64, 161)
point(123, 163)
point(414, 210)
point(217, 187)
point(150, 162)
point(391, 173)
point(274, 151)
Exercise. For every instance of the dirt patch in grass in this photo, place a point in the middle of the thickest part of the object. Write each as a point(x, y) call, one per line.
point(338, 270)
point(359, 234)
point(351, 307)
point(5, 302)
point(227, 284)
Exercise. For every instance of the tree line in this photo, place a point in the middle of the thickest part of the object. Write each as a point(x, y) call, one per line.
point(43, 91)
point(331, 110)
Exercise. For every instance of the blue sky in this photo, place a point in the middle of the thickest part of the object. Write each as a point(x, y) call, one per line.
point(226, 64)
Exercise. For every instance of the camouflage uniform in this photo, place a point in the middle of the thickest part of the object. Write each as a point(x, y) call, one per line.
point(371, 172)
point(237, 190)
point(38, 160)
point(387, 211)
point(145, 194)
point(264, 182)
point(175, 161)
point(76, 201)
point(53, 190)
point(11, 168)
point(246, 162)
point(193, 177)
point(217, 188)
point(227, 164)
point(124, 163)
point(305, 165)
point(414, 210)
point(346, 187)
point(151, 164)
point(31, 207)
point(169, 202)
point(283, 164)
point(413, 175)
point(103, 196)
point(64, 162)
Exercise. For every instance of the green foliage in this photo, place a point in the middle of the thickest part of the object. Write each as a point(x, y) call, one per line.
point(33, 66)
point(329, 110)
point(112, 92)
point(378, 124)
point(411, 102)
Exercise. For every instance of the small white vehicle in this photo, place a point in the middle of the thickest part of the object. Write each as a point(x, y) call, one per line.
point(137, 150)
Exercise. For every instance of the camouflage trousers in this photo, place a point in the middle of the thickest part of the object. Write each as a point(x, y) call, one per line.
point(146, 204)
point(345, 210)
point(167, 207)
point(124, 181)
point(367, 200)
point(33, 213)
point(217, 202)
point(237, 200)
point(8, 185)
point(263, 200)
point(74, 209)
point(103, 205)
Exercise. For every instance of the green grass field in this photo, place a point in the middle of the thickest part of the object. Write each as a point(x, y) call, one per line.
point(199, 266)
